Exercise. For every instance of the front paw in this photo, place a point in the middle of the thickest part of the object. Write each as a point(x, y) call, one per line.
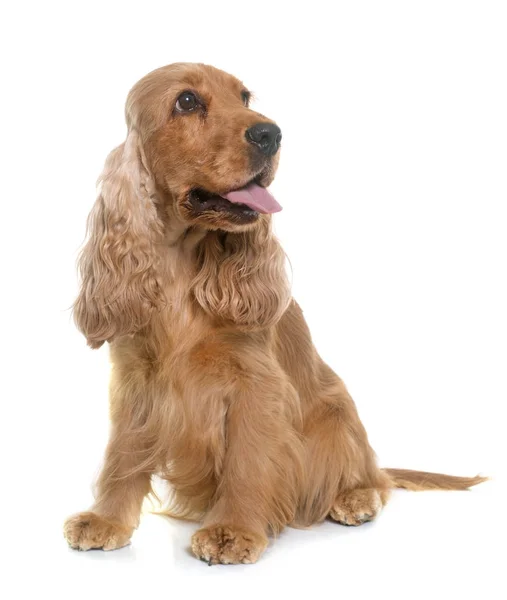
point(223, 544)
point(87, 530)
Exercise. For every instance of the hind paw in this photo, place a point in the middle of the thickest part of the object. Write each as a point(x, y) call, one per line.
point(356, 507)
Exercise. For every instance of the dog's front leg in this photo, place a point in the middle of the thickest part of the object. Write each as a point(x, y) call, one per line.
point(257, 488)
point(120, 493)
point(124, 480)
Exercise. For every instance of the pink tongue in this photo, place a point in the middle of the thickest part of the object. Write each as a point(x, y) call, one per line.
point(256, 197)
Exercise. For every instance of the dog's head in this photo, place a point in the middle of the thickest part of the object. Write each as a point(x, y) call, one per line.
point(205, 148)
point(196, 156)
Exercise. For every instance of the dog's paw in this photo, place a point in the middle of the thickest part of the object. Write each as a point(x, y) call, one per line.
point(222, 544)
point(357, 506)
point(87, 530)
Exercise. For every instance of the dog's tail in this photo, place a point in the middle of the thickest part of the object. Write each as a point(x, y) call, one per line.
point(420, 480)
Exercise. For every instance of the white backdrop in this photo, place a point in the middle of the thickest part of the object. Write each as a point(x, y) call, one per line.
point(393, 181)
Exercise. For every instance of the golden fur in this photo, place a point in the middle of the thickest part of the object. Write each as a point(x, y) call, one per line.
point(216, 385)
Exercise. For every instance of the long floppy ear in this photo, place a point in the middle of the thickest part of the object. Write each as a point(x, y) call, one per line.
point(119, 288)
point(241, 277)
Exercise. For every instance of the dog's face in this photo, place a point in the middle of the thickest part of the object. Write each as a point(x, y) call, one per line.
point(206, 148)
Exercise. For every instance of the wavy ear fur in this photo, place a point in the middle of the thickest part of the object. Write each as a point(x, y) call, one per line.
point(120, 289)
point(241, 277)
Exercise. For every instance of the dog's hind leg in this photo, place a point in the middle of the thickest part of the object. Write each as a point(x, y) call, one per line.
point(343, 481)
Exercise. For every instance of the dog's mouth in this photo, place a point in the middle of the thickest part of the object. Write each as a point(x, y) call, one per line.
point(244, 203)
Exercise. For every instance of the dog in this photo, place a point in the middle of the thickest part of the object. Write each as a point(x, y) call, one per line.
point(216, 386)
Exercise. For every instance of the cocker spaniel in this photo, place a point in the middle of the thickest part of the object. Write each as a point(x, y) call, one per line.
point(216, 386)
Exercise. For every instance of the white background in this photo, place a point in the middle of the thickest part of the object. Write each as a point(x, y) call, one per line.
point(393, 182)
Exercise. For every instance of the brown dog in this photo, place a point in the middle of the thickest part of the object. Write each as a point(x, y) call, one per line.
point(216, 385)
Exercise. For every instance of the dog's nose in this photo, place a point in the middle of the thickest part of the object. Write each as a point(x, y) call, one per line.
point(266, 136)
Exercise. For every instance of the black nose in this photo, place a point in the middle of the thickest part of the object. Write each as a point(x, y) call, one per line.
point(266, 136)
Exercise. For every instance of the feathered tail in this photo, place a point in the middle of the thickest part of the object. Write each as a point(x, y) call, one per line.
point(420, 480)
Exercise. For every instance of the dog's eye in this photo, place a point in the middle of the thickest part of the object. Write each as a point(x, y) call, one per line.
point(245, 96)
point(187, 102)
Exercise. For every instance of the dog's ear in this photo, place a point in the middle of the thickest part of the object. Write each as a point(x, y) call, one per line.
point(119, 287)
point(241, 277)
